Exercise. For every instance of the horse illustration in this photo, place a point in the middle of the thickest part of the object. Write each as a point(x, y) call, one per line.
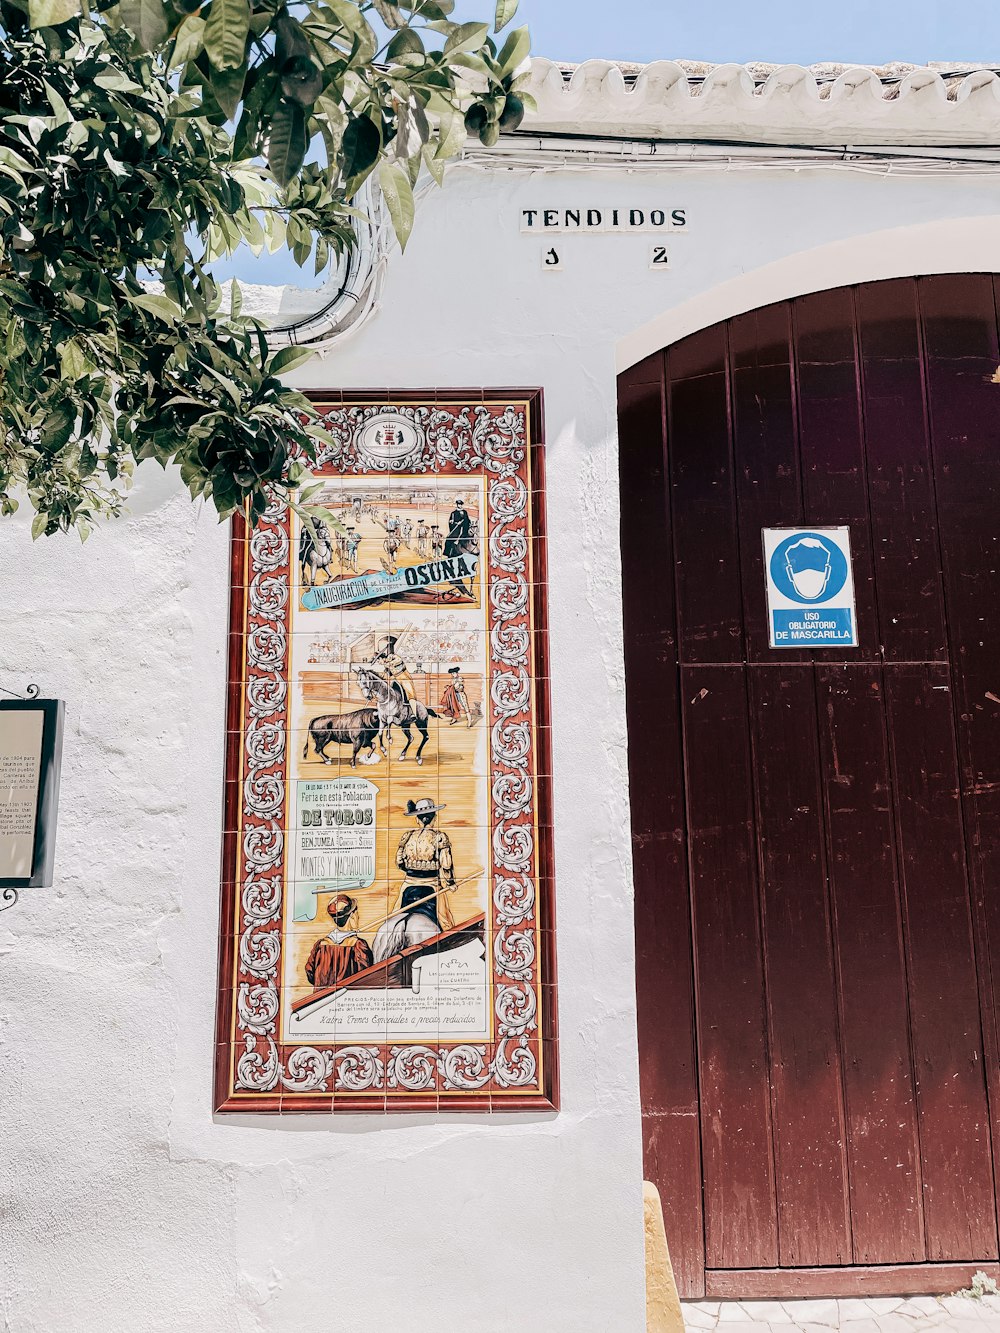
point(358, 729)
point(315, 552)
point(397, 934)
point(394, 710)
point(416, 924)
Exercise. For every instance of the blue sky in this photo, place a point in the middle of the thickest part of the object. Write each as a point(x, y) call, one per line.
point(782, 31)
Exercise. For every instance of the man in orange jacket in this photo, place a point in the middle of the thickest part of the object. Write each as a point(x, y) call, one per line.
point(341, 954)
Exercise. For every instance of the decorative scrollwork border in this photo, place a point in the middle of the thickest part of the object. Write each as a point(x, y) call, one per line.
point(497, 434)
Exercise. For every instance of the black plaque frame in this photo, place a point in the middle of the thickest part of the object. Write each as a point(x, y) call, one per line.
point(47, 803)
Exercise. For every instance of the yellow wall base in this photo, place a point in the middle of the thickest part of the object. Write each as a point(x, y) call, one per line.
point(663, 1307)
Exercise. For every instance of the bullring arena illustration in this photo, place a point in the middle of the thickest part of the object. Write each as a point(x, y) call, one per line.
point(388, 797)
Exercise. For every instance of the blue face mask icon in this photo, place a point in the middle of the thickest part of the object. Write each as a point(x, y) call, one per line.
point(808, 564)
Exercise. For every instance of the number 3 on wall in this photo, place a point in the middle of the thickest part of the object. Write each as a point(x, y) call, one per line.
point(658, 257)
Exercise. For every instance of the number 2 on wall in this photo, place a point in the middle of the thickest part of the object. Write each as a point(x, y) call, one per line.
point(658, 257)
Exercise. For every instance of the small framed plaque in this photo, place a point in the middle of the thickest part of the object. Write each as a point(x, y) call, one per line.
point(30, 753)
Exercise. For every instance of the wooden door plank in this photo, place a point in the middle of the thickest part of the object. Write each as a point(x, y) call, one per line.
point(766, 458)
point(740, 1225)
point(806, 1085)
point(668, 1076)
point(960, 337)
point(952, 1111)
point(671, 1155)
point(882, 1134)
point(763, 1284)
point(709, 614)
point(831, 444)
point(900, 479)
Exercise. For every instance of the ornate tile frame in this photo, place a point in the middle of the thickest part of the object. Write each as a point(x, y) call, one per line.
point(496, 433)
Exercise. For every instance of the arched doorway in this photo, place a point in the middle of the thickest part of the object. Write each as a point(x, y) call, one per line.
point(816, 832)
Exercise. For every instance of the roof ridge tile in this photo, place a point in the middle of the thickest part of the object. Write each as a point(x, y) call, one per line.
point(955, 104)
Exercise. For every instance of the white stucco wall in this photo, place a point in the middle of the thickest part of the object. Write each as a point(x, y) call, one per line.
point(127, 1206)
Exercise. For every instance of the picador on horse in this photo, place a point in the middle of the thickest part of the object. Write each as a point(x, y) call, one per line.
point(385, 682)
point(393, 669)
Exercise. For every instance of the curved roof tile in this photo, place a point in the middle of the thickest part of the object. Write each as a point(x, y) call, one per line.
point(773, 104)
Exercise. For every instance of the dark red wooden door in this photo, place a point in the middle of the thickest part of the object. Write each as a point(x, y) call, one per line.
point(816, 833)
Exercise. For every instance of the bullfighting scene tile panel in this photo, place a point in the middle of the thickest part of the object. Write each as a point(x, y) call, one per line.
point(388, 873)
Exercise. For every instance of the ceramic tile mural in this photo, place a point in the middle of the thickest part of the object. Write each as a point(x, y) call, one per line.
point(387, 915)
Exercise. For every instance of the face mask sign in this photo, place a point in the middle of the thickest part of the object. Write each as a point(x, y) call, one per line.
point(810, 588)
point(808, 563)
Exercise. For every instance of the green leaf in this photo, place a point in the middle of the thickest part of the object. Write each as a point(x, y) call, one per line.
point(361, 145)
point(412, 132)
point(146, 20)
point(472, 60)
point(115, 81)
point(286, 148)
point(58, 105)
point(249, 227)
point(288, 358)
point(466, 37)
point(290, 38)
point(452, 135)
point(274, 232)
point(227, 85)
point(358, 26)
point(256, 97)
point(73, 360)
point(57, 427)
point(388, 12)
point(398, 194)
point(515, 49)
point(160, 306)
point(333, 113)
point(50, 13)
point(189, 40)
point(226, 31)
point(506, 9)
point(434, 164)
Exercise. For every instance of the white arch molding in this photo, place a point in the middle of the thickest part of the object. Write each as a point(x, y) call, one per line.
point(954, 245)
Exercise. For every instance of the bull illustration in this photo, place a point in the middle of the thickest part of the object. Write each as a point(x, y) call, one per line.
point(358, 729)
